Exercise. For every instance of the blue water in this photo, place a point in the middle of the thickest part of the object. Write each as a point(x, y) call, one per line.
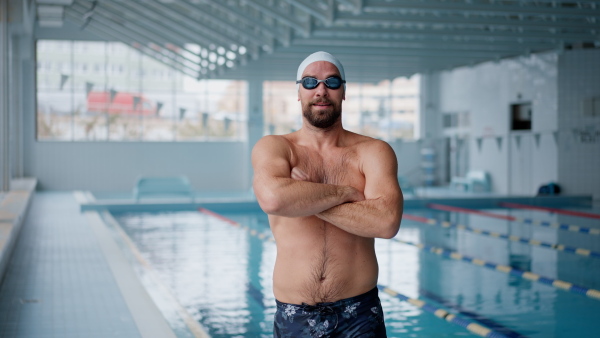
point(221, 274)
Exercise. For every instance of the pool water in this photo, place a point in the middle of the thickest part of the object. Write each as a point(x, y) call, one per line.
point(221, 273)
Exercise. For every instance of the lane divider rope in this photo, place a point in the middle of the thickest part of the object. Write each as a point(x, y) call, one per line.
point(530, 221)
point(473, 327)
point(559, 284)
point(553, 210)
point(533, 242)
point(252, 232)
point(441, 313)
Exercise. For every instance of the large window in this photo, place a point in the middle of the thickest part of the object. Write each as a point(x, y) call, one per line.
point(108, 91)
point(387, 110)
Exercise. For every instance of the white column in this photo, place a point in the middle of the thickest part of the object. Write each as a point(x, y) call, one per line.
point(429, 121)
point(4, 87)
point(255, 120)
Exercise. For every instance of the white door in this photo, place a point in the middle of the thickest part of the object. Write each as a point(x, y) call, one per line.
point(520, 164)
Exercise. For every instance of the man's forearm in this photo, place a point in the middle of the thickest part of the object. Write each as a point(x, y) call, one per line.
point(375, 218)
point(293, 198)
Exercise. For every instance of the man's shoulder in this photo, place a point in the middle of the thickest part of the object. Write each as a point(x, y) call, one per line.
point(272, 145)
point(274, 140)
point(368, 143)
point(374, 150)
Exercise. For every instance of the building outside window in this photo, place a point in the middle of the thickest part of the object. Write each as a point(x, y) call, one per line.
point(108, 91)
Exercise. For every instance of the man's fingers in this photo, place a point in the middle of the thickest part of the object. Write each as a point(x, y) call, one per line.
point(299, 175)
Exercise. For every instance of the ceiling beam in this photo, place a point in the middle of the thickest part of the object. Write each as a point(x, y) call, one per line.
point(440, 45)
point(401, 33)
point(282, 17)
point(311, 9)
point(251, 41)
point(520, 8)
point(456, 20)
point(113, 35)
point(104, 17)
point(250, 21)
point(195, 27)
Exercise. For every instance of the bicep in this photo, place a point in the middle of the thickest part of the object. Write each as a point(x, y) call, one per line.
point(270, 161)
point(380, 168)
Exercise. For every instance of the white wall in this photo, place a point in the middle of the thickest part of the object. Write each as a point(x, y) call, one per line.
point(409, 160)
point(115, 166)
point(579, 135)
point(486, 91)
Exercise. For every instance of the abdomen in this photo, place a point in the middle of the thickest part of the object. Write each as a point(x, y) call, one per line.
point(318, 262)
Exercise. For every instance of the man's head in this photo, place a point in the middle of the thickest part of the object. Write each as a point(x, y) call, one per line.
point(321, 89)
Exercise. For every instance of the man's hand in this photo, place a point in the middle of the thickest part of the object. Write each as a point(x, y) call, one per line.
point(348, 193)
point(379, 212)
point(299, 175)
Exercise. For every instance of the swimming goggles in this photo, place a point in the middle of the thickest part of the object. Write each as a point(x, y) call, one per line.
point(333, 82)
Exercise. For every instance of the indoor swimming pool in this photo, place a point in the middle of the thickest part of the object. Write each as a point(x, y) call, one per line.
point(513, 271)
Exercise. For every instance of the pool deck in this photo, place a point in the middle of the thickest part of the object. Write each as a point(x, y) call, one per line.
point(65, 276)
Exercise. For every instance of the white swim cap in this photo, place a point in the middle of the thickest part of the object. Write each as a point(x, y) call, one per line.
point(320, 56)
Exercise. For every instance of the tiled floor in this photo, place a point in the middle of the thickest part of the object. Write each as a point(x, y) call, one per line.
point(57, 282)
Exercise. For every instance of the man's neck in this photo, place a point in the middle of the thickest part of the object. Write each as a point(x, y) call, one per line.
point(319, 138)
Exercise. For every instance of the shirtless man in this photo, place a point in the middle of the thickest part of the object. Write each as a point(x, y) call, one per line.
point(328, 193)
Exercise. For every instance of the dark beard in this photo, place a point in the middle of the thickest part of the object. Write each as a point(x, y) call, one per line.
point(324, 121)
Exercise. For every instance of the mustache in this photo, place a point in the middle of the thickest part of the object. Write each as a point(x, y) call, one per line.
point(317, 101)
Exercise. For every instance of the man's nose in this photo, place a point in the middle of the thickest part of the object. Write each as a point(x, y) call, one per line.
point(321, 89)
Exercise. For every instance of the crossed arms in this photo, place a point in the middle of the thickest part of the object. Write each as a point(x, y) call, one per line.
point(285, 191)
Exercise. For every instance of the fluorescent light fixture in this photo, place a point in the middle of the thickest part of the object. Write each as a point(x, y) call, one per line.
point(50, 22)
point(55, 2)
point(50, 11)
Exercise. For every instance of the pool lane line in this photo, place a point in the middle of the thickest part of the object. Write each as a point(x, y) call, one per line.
point(469, 211)
point(441, 313)
point(253, 232)
point(533, 242)
point(557, 283)
point(221, 217)
point(553, 210)
point(554, 225)
point(476, 317)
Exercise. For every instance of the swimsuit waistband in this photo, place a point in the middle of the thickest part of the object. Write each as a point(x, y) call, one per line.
point(340, 303)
